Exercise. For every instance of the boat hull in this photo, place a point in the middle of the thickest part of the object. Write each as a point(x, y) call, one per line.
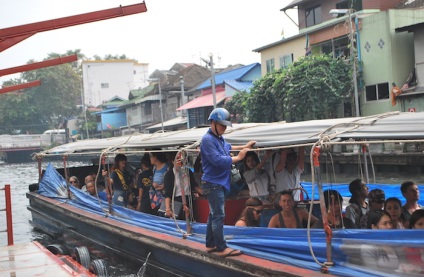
point(188, 257)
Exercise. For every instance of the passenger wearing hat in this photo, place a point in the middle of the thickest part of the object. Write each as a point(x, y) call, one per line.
point(216, 165)
point(376, 198)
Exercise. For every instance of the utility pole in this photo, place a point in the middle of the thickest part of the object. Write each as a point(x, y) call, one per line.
point(182, 94)
point(212, 80)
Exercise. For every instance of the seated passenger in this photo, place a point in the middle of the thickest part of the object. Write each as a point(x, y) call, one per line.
point(91, 189)
point(91, 178)
point(414, 256)
point(379, 257)
point(73, 180)
point(333, 203)
point(379, 220)
point(358, 206)
point(412, 194)
point(256, 177)
point(290, 216)
point(376, 198)
point(417, 219)
point(394, 207)
point(251, 214)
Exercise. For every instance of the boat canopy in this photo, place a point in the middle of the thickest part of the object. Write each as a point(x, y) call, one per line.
point(388, 126)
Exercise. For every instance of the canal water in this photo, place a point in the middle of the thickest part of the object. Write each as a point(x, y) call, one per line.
point(19, 176)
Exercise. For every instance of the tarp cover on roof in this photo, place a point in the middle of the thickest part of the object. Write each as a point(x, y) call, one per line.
point(288, 246)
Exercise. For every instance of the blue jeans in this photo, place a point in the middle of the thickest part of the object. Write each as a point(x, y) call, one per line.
point(215, 194)
point(120, 198)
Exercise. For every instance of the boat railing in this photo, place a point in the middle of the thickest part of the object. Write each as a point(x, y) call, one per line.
point(8, 210)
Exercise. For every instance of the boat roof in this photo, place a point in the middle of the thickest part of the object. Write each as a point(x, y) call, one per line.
point(388, 126)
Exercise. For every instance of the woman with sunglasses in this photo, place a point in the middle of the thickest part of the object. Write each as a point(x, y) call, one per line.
point(73, 180)
point(250, 216)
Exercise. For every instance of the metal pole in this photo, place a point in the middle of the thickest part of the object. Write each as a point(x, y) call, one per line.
point(213, 80)
point(352, 56)
point(8, 209)
point(85, 118)
point(84, 108)
point(161, 109)
point(182, 94)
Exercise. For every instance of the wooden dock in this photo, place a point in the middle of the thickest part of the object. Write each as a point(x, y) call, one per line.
point(33, 259)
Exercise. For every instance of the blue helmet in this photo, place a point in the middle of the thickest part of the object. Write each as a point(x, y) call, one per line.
point(220, 116)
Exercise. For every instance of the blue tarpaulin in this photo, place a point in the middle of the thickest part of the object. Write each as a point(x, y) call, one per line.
point(289, 246)
point(390, 190)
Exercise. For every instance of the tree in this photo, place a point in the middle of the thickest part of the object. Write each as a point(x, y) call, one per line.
point(261, 105)
point(237, 105)
point(43, 107)
point(18, 114)
point(313, 87)
point(87, 123)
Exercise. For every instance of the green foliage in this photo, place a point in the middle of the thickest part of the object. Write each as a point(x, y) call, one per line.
point(311, 88)
point(315, 87)
point(112, 57)
point(236, 106)
point(89, 122)
point(43, 107)
point(261, 105)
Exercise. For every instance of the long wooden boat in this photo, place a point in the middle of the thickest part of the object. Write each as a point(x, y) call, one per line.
point(266, 252)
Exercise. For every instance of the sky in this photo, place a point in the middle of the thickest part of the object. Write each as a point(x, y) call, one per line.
point(170, 31)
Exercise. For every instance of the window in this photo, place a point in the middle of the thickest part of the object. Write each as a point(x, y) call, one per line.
point(342, 5)
point(377, 92)
point(313, 16)
point(286, 60)
point(104, 85)
point(147, 109)
point(347, 4)
point(270, 65)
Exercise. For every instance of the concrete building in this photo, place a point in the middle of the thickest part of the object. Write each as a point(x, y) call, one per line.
point(105, 79)
point(384, 37)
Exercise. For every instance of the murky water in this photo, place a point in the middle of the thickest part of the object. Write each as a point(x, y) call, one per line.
point(19, 176)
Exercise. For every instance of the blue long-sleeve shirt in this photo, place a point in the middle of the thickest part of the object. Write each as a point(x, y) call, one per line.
point(216, 162)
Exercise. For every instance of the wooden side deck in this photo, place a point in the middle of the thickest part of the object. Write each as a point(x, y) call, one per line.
point(32, 259)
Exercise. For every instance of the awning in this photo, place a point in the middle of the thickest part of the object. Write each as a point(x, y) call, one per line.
point(293, 4)
point(203, 101)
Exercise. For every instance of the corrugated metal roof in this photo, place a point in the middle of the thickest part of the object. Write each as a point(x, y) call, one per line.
point(235, 74)
point(109, 110)
point(155, 97)
point(179, 120)
point(240, 86)
point(203, 101)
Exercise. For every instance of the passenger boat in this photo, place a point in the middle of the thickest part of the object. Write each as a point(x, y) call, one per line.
point(60, 209)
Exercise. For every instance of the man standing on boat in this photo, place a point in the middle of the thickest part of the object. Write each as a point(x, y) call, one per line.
point(216, 164)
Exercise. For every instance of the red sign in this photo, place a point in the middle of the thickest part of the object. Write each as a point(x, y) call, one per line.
point(412, 110)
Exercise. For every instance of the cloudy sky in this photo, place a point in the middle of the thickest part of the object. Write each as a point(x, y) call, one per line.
point(170, 31)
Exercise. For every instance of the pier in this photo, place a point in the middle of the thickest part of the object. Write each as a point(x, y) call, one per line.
point(18, 148)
